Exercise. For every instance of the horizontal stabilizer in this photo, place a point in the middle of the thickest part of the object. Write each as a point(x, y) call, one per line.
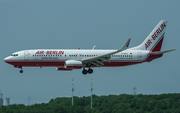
point(161, 52)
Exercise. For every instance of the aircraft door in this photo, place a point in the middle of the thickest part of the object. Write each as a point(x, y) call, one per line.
point(26, 55)
point(139, 56)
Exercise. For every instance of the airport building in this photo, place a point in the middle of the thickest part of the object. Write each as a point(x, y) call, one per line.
point(5, 101)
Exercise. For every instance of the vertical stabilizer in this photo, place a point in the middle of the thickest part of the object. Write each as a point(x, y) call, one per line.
point(154, 40)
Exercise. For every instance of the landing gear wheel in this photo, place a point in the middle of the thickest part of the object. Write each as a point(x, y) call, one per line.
point(84, 72)
point(21, 71)
point(90, 71)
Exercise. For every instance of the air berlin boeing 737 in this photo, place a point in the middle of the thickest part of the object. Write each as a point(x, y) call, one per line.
point(69, 59)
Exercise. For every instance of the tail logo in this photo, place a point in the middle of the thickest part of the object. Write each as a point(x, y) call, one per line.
point(155, 35)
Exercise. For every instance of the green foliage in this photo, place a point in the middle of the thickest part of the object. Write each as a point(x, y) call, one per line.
point(164, 103)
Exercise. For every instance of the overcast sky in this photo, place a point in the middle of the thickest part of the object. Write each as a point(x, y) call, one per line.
point(73, 24)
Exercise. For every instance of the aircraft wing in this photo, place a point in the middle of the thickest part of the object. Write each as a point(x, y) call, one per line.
point(98, 61)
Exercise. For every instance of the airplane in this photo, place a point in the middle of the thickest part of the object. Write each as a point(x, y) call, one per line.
point(69, 59)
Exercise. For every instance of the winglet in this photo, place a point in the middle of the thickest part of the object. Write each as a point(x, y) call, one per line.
point(127, 44)
point(94, 47)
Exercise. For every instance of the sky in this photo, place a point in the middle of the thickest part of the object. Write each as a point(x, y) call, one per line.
point(69, 24)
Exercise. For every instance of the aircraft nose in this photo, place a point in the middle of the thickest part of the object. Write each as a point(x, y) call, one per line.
point(6, 59)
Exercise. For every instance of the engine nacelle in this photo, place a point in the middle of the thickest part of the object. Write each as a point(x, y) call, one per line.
point(63, 69)
point(72, 64)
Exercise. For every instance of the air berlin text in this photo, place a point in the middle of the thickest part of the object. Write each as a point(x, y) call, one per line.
point(50, 52)
point(155, 35)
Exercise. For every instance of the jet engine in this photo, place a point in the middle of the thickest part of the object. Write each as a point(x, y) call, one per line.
point(72, 64)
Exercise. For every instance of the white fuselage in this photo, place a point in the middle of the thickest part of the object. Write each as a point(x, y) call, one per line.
point(57, 57)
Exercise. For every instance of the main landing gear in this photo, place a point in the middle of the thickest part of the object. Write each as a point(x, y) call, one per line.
point(87, 71)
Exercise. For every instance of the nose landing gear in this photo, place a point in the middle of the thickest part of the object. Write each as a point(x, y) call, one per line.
point(21, 71)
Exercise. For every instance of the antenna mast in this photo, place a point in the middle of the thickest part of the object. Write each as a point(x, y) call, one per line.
point(134, 90)
point(72, 88)
point(91, 88)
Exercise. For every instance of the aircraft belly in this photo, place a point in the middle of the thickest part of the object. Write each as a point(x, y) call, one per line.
point(36, 63)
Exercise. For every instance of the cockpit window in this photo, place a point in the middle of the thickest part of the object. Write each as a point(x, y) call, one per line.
point(14, 55)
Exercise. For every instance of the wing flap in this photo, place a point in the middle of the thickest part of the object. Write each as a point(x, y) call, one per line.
point(100, 62)
point(96, 64)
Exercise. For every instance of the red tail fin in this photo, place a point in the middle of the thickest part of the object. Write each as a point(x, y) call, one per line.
point(154, 40)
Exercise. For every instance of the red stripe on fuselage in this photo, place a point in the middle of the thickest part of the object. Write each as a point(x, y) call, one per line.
point(56, 64)
point(36, 63)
